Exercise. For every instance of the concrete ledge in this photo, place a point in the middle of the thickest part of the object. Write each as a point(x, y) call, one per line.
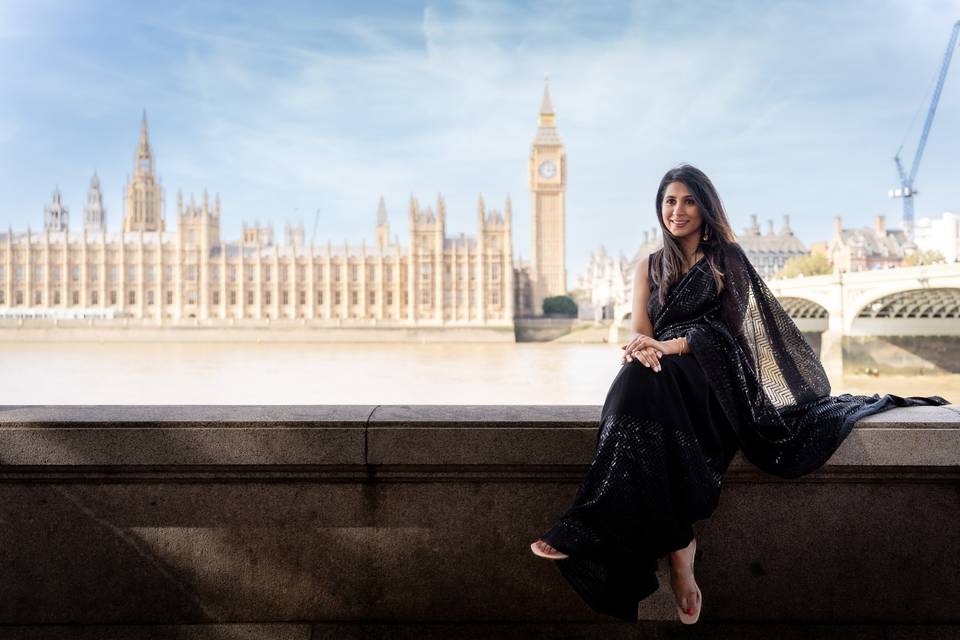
point(188, 435)
point(203, 518)
point(516, 435)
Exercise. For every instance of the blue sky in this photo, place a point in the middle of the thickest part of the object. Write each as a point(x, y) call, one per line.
point(792, 108)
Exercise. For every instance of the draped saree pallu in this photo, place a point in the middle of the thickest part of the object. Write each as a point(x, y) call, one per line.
point(750, 382)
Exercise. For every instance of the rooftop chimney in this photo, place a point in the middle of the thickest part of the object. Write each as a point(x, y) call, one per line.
point(769, 227)
point(837, 225)
point(881, 225)
point(786, 225)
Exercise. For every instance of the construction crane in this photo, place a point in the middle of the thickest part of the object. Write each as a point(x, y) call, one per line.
point(906, 190)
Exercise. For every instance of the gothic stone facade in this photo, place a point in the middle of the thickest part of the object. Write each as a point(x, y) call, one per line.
point(149, 273)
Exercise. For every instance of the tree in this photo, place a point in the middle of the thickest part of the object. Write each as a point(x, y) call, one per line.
point(560, 306)
point(815, 264)
point(925, 257)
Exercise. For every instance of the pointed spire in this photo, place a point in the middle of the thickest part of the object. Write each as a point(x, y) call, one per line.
point(546, 107)
point(144, 159)
point(481, 207)
point(414, 208)
point(381, 212)
point(143, 147)
point(547, 119)
point(143, 129)
point(441, 206)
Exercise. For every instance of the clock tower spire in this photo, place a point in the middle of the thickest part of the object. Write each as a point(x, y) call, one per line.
point(548, 185)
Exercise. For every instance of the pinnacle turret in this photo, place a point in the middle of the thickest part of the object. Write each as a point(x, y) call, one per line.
point(95, 214)
point(383, 226)
point(381, 212)
point(55, 214)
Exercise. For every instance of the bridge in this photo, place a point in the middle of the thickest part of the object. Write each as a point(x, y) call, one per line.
point(906, 301)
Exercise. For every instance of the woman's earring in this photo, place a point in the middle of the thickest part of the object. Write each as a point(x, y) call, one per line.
point(706, 233)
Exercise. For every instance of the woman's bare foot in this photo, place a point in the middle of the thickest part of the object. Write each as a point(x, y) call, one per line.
point(681, 578)
point(544, 550)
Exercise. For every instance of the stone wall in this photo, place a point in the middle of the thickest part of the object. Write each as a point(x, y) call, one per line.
point(377, 521)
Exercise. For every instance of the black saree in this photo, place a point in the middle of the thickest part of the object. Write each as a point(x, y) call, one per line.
point(665, 439)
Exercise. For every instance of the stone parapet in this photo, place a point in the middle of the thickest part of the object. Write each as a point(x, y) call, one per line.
point(229, 517)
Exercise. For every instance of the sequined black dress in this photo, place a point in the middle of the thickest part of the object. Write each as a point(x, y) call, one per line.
point(665, 438)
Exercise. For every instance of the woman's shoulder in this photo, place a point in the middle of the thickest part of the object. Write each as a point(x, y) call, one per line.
point(645, 262)
point(644, 272)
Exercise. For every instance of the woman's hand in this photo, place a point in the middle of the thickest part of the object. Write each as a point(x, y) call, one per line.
point(648, 350)
point(643, 349)
point(647, 356)
point(634, 344)
point(666, 347)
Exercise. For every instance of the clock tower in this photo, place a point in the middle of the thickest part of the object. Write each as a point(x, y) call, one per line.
point(548, 183)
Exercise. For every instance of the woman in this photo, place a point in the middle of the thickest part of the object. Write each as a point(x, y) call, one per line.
point(716, 365)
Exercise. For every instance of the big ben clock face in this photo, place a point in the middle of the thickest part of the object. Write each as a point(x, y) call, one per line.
point(547, 169)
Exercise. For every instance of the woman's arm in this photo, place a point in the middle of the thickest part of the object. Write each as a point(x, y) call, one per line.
point(640, 325)
point(639, 320)
point(641, 340)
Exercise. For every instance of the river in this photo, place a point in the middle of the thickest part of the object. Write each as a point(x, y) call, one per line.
point(248, 373)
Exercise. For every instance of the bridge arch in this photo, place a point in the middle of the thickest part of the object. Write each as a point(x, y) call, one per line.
point(918, 311)
point(809, 315)
point(620, 327)
point(820, 290)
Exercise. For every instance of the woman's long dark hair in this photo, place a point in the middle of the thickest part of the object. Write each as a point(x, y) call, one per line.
point(670, 263)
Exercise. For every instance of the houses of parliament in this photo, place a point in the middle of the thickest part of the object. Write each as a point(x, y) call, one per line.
point(150, 273)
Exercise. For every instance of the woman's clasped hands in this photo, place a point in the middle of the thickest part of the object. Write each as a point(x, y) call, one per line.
point(644, 350)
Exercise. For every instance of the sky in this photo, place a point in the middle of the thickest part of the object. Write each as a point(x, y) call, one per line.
point(792, 108)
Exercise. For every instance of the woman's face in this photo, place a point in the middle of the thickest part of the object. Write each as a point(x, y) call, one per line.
point(681, 215)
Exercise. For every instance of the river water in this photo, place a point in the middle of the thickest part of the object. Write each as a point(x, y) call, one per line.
point(248, 373)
